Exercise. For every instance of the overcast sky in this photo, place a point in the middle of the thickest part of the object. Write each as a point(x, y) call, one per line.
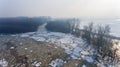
point(59, 8)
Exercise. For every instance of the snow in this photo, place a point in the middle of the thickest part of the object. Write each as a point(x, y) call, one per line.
point(50, 37)
point(27, 34)
point(26, 48)
point(38, 38)
point(75, 52)
point(89, 59)
point(12, 47)
point(57, 63)
point(37, 64)
point(3, 63)
point(83, 65)
point(76, 47)
point(24, 35)
point(66, 39)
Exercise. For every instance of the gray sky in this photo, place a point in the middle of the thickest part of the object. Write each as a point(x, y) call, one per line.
point(59, 8)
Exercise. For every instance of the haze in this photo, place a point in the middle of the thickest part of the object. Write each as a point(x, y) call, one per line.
point(60, 8)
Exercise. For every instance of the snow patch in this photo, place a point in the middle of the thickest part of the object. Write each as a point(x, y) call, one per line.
point(83, 65)
point(37, 64)
point(89, 59)
point(38, 38)
point(12, 47)
point(3, 63)
point(57, 63)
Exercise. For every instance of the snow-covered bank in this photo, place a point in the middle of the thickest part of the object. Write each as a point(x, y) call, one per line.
point(76, 47)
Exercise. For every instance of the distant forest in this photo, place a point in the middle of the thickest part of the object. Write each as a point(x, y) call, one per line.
point(24, 24)
point(20, 24)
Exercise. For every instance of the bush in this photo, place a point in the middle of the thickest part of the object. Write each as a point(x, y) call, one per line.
point(97, 36)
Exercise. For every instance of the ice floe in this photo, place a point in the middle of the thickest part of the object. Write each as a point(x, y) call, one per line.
point(3, 63)
point(57, 63)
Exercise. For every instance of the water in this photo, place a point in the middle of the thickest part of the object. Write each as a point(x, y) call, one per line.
point(113, 23)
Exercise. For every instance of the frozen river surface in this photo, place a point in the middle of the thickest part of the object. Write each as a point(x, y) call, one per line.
point(113, 23)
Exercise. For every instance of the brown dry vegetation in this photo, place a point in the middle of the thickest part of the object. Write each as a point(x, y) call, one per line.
point(30, 51)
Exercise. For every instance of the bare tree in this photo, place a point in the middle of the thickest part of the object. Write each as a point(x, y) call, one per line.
point(74, 25)
point(88, 32)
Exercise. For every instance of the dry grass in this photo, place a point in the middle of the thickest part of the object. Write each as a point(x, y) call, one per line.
point(41, 52)
point(31, 51)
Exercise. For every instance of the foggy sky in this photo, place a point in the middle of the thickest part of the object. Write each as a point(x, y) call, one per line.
point(59, 8)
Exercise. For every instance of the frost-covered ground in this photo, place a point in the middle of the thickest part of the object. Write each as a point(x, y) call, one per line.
point(76, 47)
